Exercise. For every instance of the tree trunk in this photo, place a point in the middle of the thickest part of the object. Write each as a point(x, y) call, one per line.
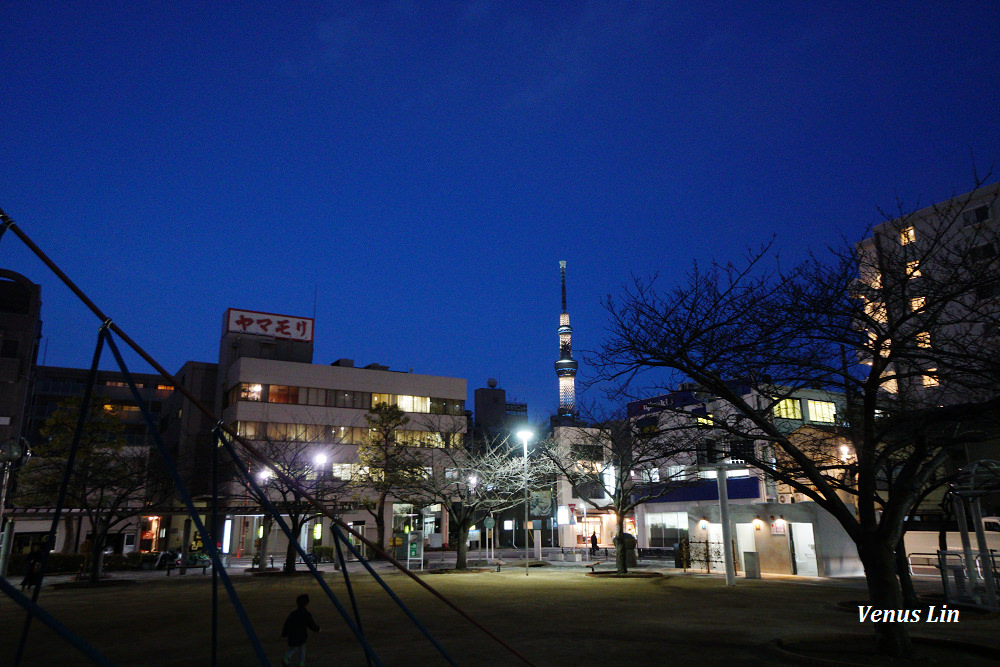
point(68, 542)
point(893, 639)
point(462, 548)
point(96, 558)
point(380, 523)
point(264, 539)
point(621, 552)
point(290, 553)
point(905, 580)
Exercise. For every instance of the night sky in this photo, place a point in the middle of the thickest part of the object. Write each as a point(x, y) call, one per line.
point(414, 171)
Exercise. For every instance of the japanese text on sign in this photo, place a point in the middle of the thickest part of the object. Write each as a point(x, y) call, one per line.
point(269, 324)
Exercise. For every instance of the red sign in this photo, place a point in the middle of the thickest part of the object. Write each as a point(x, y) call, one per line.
point(269, 324)
point(572, 507)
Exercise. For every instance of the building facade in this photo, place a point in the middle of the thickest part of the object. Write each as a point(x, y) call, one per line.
point(790, 533)
point(272, 394)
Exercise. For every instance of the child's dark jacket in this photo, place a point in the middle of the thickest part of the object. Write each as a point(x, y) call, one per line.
point(297, 627)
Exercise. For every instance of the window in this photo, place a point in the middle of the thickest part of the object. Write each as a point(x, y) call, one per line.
point(907, 235)
point(924, 339)
point(822, 411)
point(988, 290)
point(675, 472)
point(349, 399)
point(650, 475)
point(343, 471)
point(876, 311)
point(383, 398)
point(976, 215)
point(250, 392)
point(980, 252)
point(714, 474)
point(666, 529)
point(706, 420)
point(314, 396)
point(280, 393)
point(788, 408)
point(929, 380)
point(414, 403)
point(276, 432)
point(448, 406)
point(164, 387)
point(916, 303)
point(913, 269)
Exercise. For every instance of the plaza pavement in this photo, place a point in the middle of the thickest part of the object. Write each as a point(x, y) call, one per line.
point(555, 615)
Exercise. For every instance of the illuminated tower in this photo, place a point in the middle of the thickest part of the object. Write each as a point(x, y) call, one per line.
point(566, 366)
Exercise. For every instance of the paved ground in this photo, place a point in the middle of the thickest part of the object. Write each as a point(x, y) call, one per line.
point(556, 615)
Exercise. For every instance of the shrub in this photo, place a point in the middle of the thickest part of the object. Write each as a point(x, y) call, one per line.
point(56, 564)
point(323, 554)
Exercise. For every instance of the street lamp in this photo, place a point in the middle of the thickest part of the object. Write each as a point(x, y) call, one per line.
point(525, 435)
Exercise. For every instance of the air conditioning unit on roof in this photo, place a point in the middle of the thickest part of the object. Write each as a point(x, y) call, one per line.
point(784, 497)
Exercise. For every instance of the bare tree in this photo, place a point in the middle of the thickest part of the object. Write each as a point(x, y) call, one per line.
point(470, 485)
point(305, 470)
point(903, 324)
point(619, 464)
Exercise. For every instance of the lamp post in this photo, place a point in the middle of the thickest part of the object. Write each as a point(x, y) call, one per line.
point(524, 435)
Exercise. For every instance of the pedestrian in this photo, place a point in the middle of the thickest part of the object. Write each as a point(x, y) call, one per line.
point(32, 567)
point(297, 627)
point(593, 543)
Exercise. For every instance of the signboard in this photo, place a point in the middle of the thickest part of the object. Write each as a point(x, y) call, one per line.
point(489, 522)
point(540, 504)
point(415, 539)
point(269, 324)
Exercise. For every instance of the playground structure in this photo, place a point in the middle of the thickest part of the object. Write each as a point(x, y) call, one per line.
point(225, 439)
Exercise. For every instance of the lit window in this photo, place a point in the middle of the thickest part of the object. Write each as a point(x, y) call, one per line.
point(413, 403)
point(924, 339)
point(822, 411)
point(907, 235)
point(164, 387)
point(929, 380)
point(706, 420)
point(913, 269)
point(880, 346)
point(876, 311)
point(788, 408)
point(279, 393)
point(250, 392)
point(889, 382)
point(383, 398)
point(916, 303)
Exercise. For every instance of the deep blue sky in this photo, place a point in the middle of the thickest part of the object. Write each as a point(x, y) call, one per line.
point(423, 166)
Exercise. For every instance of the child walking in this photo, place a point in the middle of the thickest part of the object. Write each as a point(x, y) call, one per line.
point(297, 627)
